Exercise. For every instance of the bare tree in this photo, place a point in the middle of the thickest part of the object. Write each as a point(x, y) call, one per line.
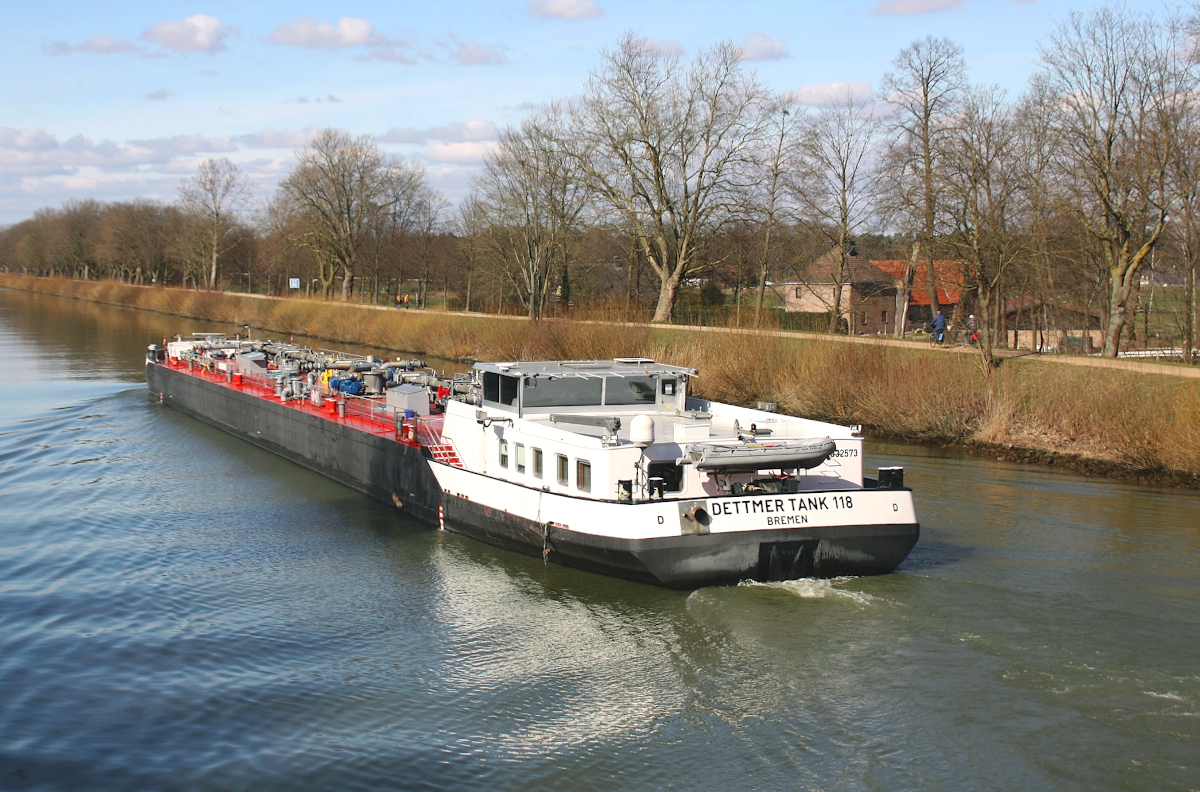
point(533, 195)
point(835, 182)
point(984, 195)
point(428, 208)
point(405, 186)
point(667, 150)
point(925, 86)
point(1185, 181)
point(471, 225)
point(331, 200)
point(780, 125)
point(1119, 85)
point(212, 199)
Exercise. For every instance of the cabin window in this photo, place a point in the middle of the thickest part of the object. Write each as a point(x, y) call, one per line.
point(563, 391)
point(537, 462)
point(508, 391)
point(670, 473)
point(499, 389)
point(883, 317)
point(629, 390)
point(668, 387)
point(503, 453)
point(563, 469)
point(583, 475)
point(520, 454)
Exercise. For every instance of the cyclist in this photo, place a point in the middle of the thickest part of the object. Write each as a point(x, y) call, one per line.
point(939, 328)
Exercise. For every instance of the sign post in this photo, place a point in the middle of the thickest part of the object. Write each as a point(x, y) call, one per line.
point(294, 283)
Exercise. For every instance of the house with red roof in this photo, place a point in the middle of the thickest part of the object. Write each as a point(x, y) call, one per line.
point(870, 292)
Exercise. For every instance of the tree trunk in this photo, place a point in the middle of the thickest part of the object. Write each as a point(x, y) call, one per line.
point(835, 310)
point(1118, 315)
point(931, 277)
point(665, 310)
point(1189, 322)
point(212, 278)
point(904, 290)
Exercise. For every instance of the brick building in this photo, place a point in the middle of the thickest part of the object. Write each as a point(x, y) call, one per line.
point(869, 304)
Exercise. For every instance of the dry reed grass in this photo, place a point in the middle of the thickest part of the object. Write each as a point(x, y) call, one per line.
point(1140, 422)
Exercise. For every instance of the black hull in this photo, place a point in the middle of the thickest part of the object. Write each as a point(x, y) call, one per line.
point(396, 473)
point(376, 466)
point(695, 560)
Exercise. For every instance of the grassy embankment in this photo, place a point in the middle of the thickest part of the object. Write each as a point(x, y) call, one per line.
point(1117, 423)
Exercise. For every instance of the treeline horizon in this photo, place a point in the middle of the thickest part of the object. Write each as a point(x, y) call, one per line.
point(672, 186)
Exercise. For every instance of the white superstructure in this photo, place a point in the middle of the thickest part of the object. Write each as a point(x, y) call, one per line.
point(617, 448)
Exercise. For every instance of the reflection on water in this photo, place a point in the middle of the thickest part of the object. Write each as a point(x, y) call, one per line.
point(182, 611)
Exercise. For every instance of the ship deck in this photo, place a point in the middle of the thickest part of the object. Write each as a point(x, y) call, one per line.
point(365, 415)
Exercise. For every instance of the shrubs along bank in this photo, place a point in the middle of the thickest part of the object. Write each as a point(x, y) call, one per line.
point(1119, 423)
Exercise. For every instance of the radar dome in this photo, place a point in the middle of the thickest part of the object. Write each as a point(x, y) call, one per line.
point(641, 430)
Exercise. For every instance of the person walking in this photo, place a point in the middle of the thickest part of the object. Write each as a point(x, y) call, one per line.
point(972, 330)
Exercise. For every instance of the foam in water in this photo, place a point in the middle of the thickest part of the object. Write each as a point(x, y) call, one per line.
point(812, 588)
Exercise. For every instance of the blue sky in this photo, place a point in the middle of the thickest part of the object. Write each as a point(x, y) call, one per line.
point(120, 101)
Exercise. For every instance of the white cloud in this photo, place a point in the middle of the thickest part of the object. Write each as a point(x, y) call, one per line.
point(103, 44)
point(824, 93)
point(392, 52)
point(34, 153)
point(912, 7)
point(311, 34)
point(186, 144)
point(197, 33)
point(471, 53)
point(277, 139)
point(564, 9)
point(28, 139)
point(472, 131)
point(761, 47)
point(465, 153)
point(159, 95)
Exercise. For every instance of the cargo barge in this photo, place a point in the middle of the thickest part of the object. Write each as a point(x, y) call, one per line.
point(604, 465)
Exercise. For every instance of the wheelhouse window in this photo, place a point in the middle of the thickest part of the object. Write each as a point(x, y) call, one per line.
point(499, 389)
point(583, 475)
point(629, 390)
point(562, 391)
point(537, 462)
point(520, 454)
point(563, 469)
point(503, 453)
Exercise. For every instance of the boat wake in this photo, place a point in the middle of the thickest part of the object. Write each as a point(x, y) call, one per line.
point(814, 588)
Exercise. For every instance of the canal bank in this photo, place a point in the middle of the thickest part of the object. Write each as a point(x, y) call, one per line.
point(1137, 421)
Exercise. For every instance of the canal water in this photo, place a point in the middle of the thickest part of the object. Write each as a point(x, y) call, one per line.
point(182, 611)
